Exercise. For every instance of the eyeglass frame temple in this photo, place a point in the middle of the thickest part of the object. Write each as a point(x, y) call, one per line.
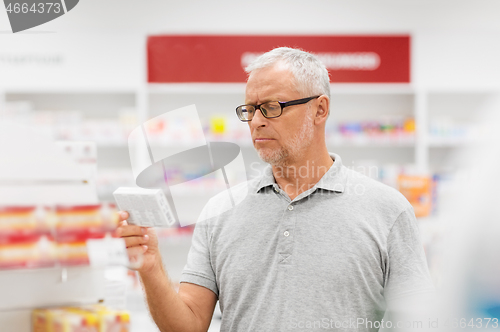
point(295, 102)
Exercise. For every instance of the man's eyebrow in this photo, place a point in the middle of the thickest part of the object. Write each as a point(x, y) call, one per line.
point(264, 101)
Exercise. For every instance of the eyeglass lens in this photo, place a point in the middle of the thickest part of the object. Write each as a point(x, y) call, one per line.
point(271, 109)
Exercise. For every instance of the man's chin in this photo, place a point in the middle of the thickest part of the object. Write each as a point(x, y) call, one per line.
point(273, 157)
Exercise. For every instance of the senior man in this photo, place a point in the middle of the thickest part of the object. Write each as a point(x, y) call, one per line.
point(313, 245)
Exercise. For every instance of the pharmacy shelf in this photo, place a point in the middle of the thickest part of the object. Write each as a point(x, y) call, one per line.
point(457, 119)
point(239, 88)
point(90, 104)
point(333, 142)
point(95, 89)
point(197, 88)
point(372, 88)
point(32, 288)
point(357, 102)
point(451, 142)
point(25, 289)
point(371, 141)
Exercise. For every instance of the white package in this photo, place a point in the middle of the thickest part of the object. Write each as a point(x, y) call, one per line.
point(146, 207)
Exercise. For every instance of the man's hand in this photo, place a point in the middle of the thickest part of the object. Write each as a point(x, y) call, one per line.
point(189, 310)
point(140, 241)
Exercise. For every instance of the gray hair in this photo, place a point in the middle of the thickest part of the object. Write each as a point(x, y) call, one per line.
point(310, 73)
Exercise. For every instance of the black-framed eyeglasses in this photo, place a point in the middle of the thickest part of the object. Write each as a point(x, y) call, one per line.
point(270, 109)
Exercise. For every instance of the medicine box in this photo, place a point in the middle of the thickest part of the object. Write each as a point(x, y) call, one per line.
point(146, 207)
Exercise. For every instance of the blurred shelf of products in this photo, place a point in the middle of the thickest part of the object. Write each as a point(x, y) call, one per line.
point(56, 236)
point(49, 236)
point(58, 245)
point(406, 139)
point(91, 318)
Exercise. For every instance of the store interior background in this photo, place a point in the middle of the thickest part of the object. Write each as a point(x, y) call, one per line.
point(98, 79)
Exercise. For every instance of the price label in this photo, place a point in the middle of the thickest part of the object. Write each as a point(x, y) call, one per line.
point(108, 251)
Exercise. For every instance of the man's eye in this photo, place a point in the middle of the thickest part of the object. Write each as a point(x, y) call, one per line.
point(247, 109)
point(271, 107)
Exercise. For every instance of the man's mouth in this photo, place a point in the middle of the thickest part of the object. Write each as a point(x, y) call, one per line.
point(263, 140)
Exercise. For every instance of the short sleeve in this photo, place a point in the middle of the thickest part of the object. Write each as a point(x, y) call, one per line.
point(198, 269)
point(407, 273)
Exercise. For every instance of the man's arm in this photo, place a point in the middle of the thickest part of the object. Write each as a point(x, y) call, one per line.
point(189, 310)
point(409, 291)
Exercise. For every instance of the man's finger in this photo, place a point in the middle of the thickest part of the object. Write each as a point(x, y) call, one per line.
point(123, 215)
point(137, 250)
point(131, 230)
point(133, 241)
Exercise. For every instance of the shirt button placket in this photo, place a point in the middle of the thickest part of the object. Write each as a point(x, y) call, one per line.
point(286, 233)
point(287, 241)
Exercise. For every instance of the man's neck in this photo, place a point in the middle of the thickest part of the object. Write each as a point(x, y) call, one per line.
point(303, 174)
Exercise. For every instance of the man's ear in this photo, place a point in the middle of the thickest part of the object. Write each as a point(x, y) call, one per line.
point(322, 109)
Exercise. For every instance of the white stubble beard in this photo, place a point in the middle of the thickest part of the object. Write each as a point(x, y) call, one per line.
point(284, 155)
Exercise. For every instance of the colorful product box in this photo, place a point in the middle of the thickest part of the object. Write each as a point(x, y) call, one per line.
point(78, 222)
point(23, 223)
point(72, 253)
point(32, 236)
point(28, 254)
point(418, 191)
point(110, 320)
point(96, 318)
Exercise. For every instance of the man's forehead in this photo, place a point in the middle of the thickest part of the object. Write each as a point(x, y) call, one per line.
point(276, 71)
point(275, 80)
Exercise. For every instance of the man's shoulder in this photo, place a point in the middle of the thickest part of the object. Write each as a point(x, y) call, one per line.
point(375, 193)
point(227, 199)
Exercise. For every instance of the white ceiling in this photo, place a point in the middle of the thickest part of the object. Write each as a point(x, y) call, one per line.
point(271, 16)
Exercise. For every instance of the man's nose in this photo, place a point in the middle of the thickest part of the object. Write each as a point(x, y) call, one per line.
point(258, 119)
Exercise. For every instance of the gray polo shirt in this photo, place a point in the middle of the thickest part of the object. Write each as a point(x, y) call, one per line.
point(332, 258)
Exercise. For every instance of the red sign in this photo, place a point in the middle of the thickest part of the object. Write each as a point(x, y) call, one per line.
point(349, 59)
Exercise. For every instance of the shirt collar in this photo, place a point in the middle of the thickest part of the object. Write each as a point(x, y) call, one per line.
point(334, 179)
point(266, 179)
